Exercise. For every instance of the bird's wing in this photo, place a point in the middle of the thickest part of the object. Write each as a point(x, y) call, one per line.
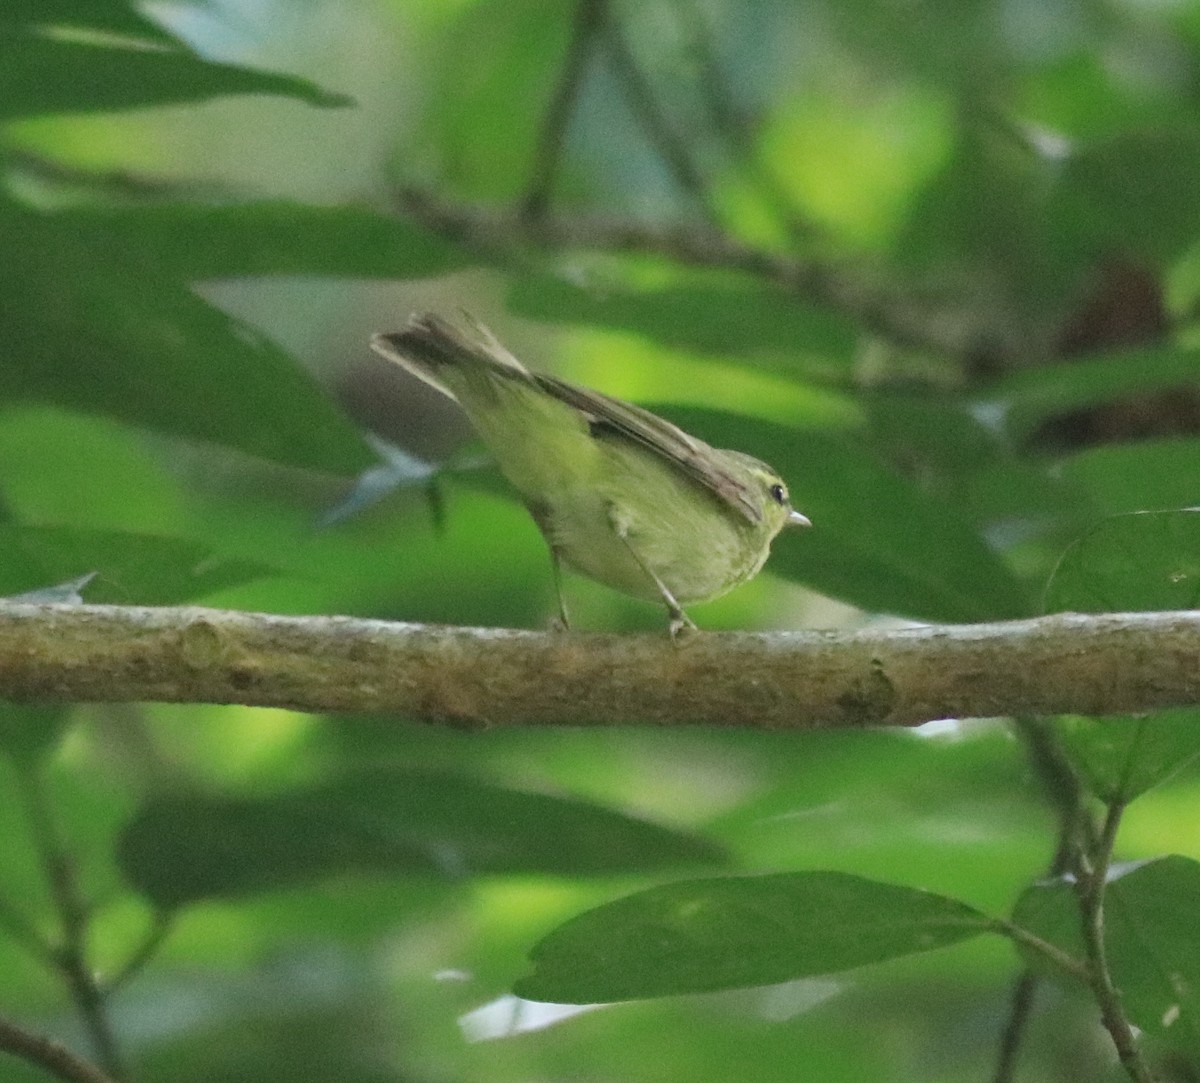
point(609, 416)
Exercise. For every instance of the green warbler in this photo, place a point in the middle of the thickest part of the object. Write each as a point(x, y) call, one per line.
point(620, 495)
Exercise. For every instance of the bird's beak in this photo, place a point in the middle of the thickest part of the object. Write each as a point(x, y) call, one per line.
point(796, 519)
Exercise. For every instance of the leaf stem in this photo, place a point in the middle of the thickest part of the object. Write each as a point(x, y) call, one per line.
point(1091, 881)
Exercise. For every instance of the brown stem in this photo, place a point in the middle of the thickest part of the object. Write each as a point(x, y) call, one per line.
point(55, 1058)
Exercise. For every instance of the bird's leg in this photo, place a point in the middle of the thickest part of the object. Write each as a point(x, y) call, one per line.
point(563, 622)
point(680, 621)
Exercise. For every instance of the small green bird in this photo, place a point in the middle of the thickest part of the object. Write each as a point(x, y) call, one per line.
point(620, 495)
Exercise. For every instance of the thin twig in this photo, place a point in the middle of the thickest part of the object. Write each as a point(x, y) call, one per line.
point(56, 1058)
point(589, 16)
point(1090, 884)
point(1062, 787)
point(71, 954)
point(726, 117)
point(143, 953)
point(1055, 956)
point(644, 105)
point(23, 932)
point(887, 312)
point(1020, 1009)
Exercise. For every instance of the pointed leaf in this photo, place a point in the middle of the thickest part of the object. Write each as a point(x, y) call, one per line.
point(179, 849)
point(702, 935)
point(1123, 757)
point(42, 76)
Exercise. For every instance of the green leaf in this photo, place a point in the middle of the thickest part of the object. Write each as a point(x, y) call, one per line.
point(1122, 757)
point(130, 568)
point(703, 935)
point(1031, 396)
point(714, 313)
point(1148, 475)
point(29, 732)
point(191, 241)
point(110, 16)
point(179, 849)
point(877, 540)
point(81, 327)
point(1145, 562)
point(1150, 939)
point(41, 76)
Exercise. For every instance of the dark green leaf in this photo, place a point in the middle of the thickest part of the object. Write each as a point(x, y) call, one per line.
point(1033, 395)
point(1150, 939)
point(877, 541)
point(1149, 475)
point(40, 76)
point(130, 568)
point(191, 241)
point(1145, 562)
point(182, 848)
point(80, 327)
point(29, 732)
point(110, 16)
point(703, 935)
point(1122, 757)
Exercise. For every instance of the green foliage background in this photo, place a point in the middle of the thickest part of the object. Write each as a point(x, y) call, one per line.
point(898, 251)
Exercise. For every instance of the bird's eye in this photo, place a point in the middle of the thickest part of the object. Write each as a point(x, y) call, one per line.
point(778, 493)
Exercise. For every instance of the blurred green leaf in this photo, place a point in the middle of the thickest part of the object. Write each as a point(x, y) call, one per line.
point(877, 541)
point(729, 315)
point(1122, 757)
point(1148, 475)
point(28, 731)
point(179, 849)
point(1149, 938)
point(1138, 192)
point(111, 16)
point(41, 76)
point(1145, 562)
point(488, 112)
point(1034, 395)
point(82, 328)
point(702, 935)
point(191, 241)
point(130, 568)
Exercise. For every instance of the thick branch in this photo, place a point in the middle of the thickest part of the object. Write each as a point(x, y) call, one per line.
point(479, 677)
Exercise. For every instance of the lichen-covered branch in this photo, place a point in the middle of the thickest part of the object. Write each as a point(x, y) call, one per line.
point(481, 677)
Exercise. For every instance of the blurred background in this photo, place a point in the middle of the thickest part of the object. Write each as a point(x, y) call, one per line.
point(935, 261)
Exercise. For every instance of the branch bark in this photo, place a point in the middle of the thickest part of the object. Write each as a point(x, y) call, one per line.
point(477, 677)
